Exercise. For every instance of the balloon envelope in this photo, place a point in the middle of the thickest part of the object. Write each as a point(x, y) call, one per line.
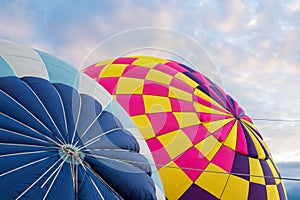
point(203, 144)
point(62, 136)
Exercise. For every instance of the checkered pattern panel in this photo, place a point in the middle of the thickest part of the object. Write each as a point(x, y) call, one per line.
point(202, 142)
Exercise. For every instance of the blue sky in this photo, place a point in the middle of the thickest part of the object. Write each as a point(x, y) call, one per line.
point(255, 45)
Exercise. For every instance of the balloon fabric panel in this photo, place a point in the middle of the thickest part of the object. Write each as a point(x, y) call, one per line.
point(202, 142)
point(46, 152)
point(61, 140)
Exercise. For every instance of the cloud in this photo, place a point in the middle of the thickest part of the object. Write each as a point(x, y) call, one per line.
point(254, 44)
point(17, 22)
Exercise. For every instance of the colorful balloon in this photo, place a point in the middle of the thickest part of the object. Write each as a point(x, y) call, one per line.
point(203, 144)
point(62, 136)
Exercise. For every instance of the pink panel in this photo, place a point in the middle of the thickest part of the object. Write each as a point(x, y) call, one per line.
point(208, 104)
point(94, 71)
point(132, 103)
point(109, 84)
point(247, 118)
point(181, 85)
point(207, 117)
point(196, 133)
point(192, 158)
point(224, 158)
point(124, 60)
point(154, 88)
point(216, 96)
point(181, 106)
point(166, 69)
point(159, 153)
point(175, 66)
point(163, 122)
point(241, 145)
point(133, 71)
point(222, 133)
point(201, 78)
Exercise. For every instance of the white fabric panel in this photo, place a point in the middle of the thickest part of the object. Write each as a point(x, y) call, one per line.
point(24, 61)
point(90, 87)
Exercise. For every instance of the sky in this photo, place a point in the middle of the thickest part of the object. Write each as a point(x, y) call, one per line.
point(254, 46)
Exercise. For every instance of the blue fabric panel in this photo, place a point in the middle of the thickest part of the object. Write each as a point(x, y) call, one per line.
point(14, 110)
point(105, 123)
point(13, 138)
point(63, 185)
point(89, 111)
point(71, 103)
point(9, 84)
point(108, 121)
point(117, 110)
point(132, 158)
point(13, 184)
point(11, 149)
point(87, 190)
point(117, 139)
point(5, 68)
point(129, 181)
point(12, 125)
point(59, 71)
point(50, 99)
point(57, 106)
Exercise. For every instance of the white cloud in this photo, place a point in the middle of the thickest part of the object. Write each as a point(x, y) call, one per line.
point(15, 22)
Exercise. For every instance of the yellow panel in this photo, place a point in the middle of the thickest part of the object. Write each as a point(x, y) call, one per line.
point(232, 137)
point(236, 188)
point(209, 147)
point(180, 94)
point(258, 147)
point(160, 77)
point(115, 70)
point(148, 59)
point(155, 104)
point(143, 124)
point(201, 94)
point(174, 180)
point(274, 172)
point(175, 142)
point(258, 138)
point(130, 86)
point(215, 125)
point(186, 119)
point(145, 63)
point(248, 123)
point(186, 79)
point(272, 192)
point(212, 181)
point(105, 62)
point(255, 169)
point(205, 109)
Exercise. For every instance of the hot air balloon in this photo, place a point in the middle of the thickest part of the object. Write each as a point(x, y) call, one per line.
point(203, 144)
point(62, 136)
